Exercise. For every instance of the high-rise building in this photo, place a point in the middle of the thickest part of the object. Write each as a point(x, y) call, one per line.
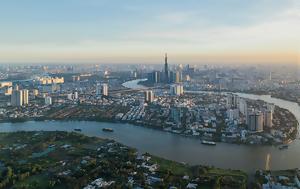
point(176, 115)
point(98, 89)
point(243, 106)
point(154, 77)
point(178, 77)
point(17, 98)
point(104, 89)
point(268, 118)
point(25, 97)
point(232, 101)
point(176, 89)
point(256, 121)
point(233, 114)
point(166, 76)
point(149, 96)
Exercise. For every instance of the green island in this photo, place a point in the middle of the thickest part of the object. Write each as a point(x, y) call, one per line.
point(57, 159)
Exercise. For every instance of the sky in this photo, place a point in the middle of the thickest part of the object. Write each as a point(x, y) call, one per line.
point(141, 31)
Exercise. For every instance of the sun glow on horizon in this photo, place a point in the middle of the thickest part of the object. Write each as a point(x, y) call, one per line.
point(139, 31)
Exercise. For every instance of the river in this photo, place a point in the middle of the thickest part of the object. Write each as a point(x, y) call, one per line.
point(183, 149)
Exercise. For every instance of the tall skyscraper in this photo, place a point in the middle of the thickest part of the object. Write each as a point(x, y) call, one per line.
point(268, 118)
point(17, 98)
point(243, 106)
point(256, 121)
point(178, 77)
point(149, 96)
point(25, 97)
point(104, 89)
point(166, 69)
point(232, 101)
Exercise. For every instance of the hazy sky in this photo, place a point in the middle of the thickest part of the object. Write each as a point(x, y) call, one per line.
point(142, 30)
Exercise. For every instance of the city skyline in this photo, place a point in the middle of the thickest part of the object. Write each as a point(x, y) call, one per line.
point(141, 31)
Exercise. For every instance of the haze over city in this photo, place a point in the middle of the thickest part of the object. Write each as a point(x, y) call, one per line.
point(117, 31)
point(150, 94)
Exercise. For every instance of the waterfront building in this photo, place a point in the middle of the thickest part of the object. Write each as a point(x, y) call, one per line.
point(256, 121)
point(176, 114)
point(268, 118)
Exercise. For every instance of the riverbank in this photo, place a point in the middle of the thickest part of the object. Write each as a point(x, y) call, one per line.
point(85, 117)
point(285, 121)
point(274, 94)
point(71, 160)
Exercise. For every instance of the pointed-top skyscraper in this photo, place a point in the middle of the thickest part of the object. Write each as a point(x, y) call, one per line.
point(166, 69)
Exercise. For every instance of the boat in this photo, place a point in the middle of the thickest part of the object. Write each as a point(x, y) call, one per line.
point(107, 130)
point(77, 130)
point(208, 142)
point(282, 147)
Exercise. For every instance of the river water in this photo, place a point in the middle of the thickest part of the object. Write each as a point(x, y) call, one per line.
point(183, 149)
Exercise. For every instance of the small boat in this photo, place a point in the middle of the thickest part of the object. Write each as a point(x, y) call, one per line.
point(77, 130)
point(283, 147)
point(208, 142)
point(107, 130)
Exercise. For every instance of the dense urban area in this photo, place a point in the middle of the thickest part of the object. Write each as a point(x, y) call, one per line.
point(197, 102)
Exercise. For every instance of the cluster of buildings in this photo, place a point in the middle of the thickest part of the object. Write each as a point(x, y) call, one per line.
point(257, 119)
point(165, 76)
point(45, 88)
point(49, 80)
point(102, 89)
point(288, 179)
point(19, 97)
